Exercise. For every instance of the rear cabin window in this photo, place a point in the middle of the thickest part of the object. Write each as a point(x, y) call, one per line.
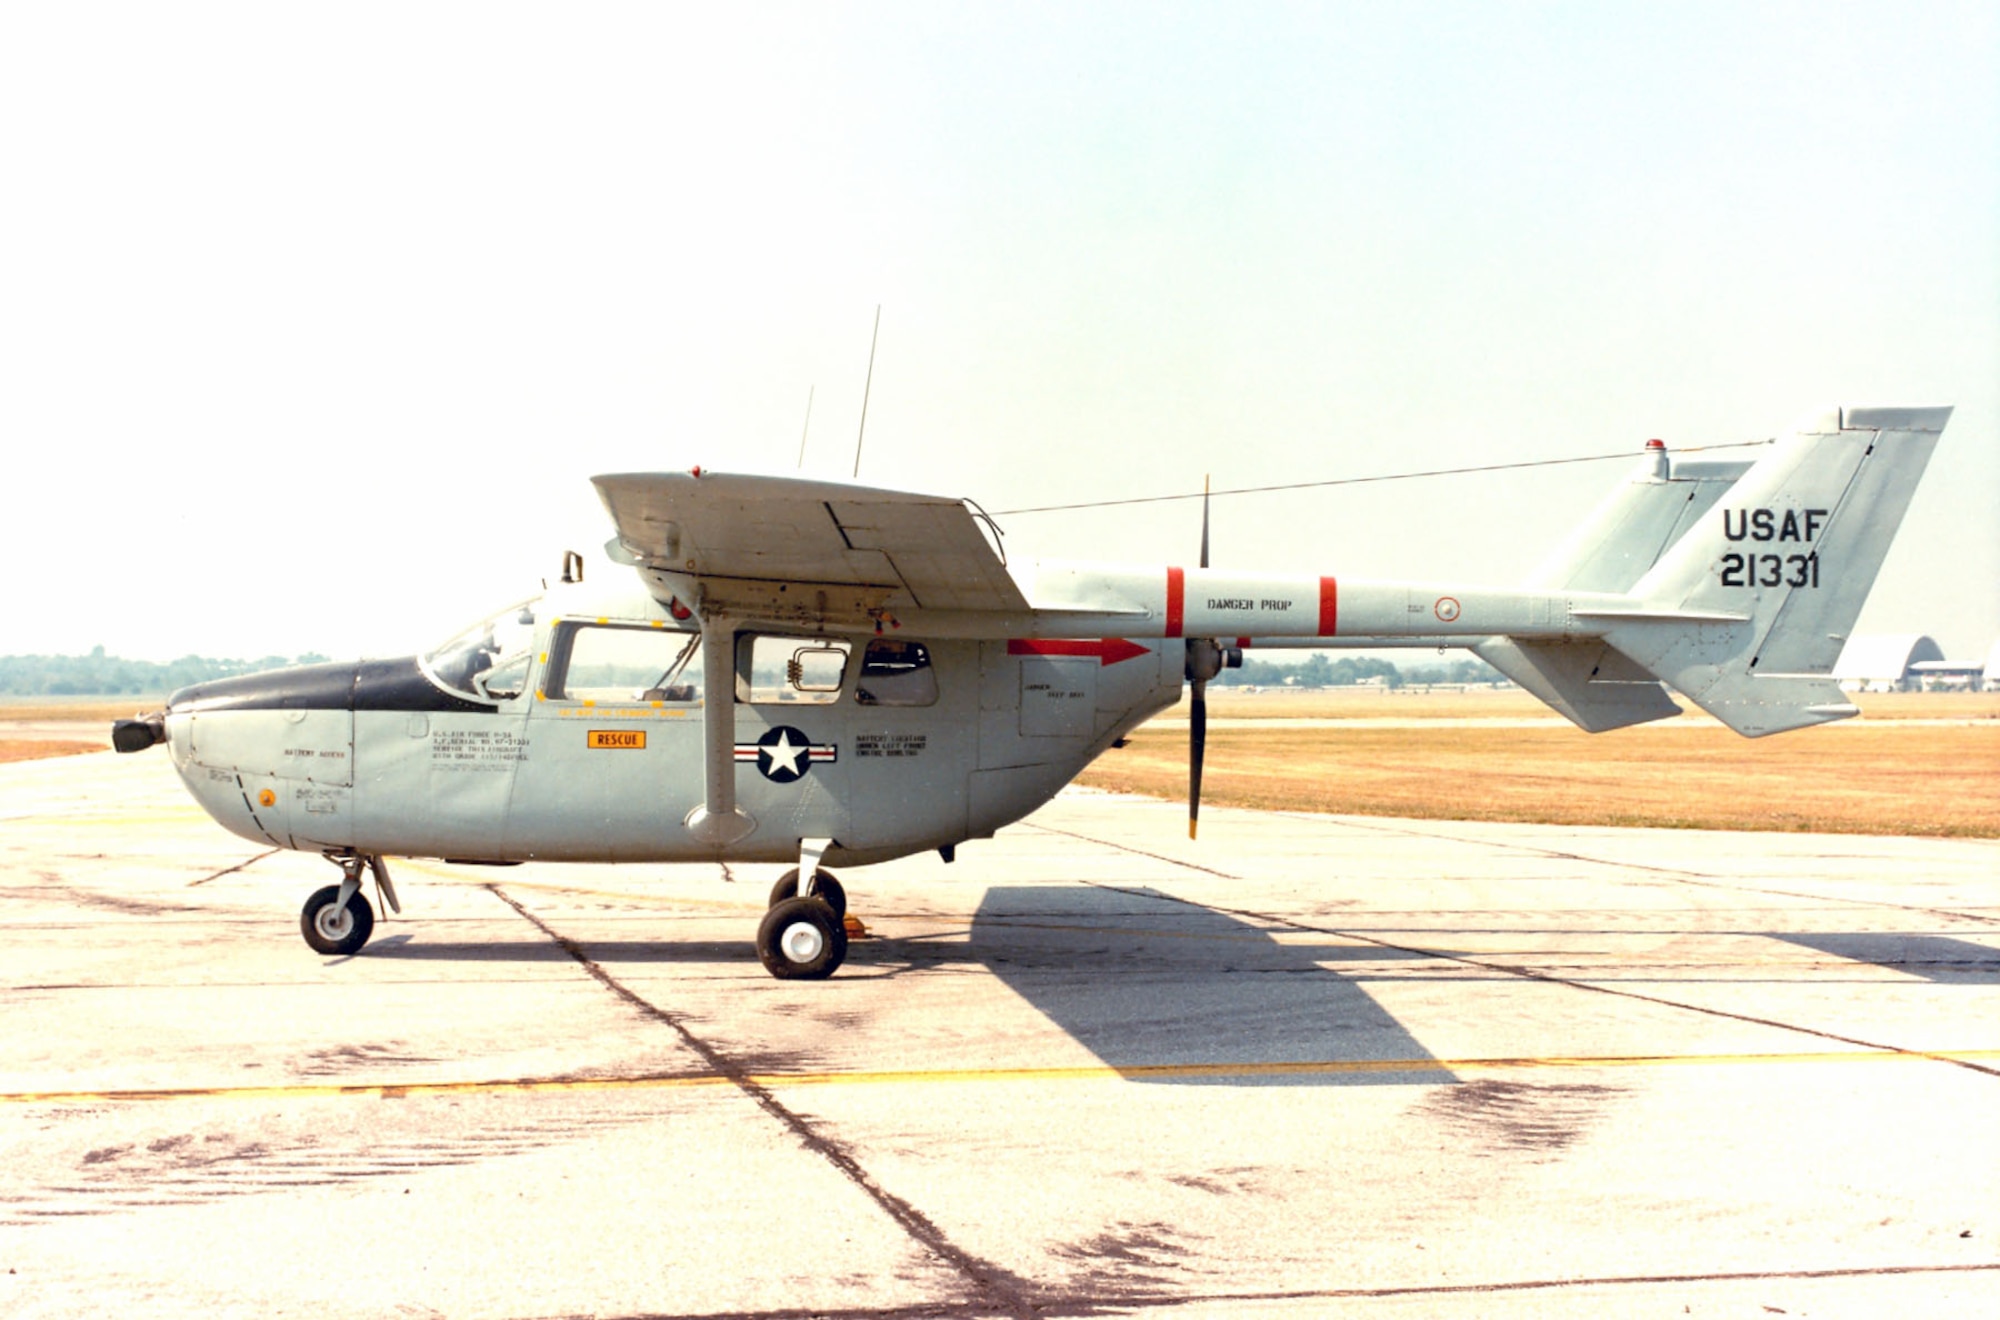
point(772, 669)
point(896, 673)
point(614, 665)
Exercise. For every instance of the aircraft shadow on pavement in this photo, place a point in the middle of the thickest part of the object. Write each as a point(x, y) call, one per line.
point(1933, 957)
point(1159, 989)
point(1169, 991)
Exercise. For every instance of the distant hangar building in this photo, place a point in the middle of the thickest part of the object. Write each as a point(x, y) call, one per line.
point(1885, 662)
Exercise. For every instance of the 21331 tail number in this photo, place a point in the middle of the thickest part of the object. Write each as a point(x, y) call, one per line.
point(1752, 570)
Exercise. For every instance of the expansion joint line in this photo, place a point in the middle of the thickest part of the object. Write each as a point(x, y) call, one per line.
point(1531, 974)
point(1522, 973)
point(1695, 878)
point(995, 1287)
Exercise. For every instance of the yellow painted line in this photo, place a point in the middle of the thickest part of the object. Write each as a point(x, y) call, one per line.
point(933, 1076)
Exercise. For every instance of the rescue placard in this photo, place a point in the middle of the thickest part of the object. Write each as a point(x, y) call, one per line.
point(618, 739)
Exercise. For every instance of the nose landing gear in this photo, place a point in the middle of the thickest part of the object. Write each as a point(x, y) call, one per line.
point(338, 920)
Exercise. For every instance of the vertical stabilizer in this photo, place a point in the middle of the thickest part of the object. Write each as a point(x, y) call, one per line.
point(1748, 611)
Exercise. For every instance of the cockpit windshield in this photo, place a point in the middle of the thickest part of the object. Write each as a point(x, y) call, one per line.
point(489, 660)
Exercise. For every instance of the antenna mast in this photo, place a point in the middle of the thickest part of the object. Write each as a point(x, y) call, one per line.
point(866, 386)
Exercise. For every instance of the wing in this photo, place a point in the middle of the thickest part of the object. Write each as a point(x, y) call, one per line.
point(922, 551)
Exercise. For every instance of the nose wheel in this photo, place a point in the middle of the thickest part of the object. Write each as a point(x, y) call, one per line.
point(338, 920)
point(333, 927)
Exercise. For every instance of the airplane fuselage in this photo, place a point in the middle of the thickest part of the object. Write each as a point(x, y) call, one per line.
point(583, 756)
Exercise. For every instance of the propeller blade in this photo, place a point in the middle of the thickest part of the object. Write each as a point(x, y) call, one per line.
point(1204, 522)
point(1198, 711)
point(1197, 745)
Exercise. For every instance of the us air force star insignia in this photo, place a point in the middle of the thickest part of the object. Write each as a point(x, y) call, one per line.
point(783, 754)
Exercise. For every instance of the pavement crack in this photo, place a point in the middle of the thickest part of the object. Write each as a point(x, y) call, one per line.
point(1138, 852)
point(1088, 1304)
point(996, 1289)
point(232, 870)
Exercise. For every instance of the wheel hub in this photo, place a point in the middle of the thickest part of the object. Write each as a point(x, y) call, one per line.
point(802, 942)
point(334, 925)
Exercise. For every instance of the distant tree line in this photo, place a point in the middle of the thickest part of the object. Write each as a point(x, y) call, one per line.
point(1317, 670)
point(101, 675)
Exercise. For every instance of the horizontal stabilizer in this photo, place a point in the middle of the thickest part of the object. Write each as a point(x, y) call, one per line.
point(1586, 681)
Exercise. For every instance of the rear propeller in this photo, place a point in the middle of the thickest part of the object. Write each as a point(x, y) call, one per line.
point(1206, 658)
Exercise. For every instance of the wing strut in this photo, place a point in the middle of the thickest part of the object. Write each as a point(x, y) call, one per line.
point(719, 821)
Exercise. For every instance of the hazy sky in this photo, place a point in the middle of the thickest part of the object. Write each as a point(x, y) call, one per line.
point(315, 321)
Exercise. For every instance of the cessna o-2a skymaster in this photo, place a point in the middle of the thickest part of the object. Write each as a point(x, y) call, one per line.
point(819, 672)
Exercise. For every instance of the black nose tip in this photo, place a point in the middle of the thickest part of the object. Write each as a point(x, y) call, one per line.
point(137, 735)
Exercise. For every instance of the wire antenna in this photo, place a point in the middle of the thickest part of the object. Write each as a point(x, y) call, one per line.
point(1363, 481)
point(865, 388)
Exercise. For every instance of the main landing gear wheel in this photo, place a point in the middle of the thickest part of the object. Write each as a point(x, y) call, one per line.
point(824, 887)
point(801, 939)
point(337, 933)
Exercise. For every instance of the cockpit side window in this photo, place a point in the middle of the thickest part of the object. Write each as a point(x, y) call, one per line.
point(896, 673)
point(491, 659)
point(614, 664)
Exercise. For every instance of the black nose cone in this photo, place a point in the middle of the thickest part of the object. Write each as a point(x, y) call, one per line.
point(302, 687)
point(398, 684)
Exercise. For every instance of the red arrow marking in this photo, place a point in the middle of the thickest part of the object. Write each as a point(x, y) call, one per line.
point(1109, 651)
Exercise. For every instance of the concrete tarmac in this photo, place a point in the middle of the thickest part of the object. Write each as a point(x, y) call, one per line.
point(1310, 1065)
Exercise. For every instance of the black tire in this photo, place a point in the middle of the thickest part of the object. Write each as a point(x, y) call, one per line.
point(824, 887)
point(336, 938)
point(801, 939)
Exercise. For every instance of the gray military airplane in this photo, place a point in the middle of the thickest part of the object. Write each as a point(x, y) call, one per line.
point(808, 671)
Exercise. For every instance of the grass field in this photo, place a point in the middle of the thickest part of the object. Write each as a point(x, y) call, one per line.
point(34, 728)
point(1513, 703)
point(78, 710)
point(36, 749)
point(1915, 763)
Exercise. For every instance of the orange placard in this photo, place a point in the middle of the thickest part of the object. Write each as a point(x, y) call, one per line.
point(621, 740)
